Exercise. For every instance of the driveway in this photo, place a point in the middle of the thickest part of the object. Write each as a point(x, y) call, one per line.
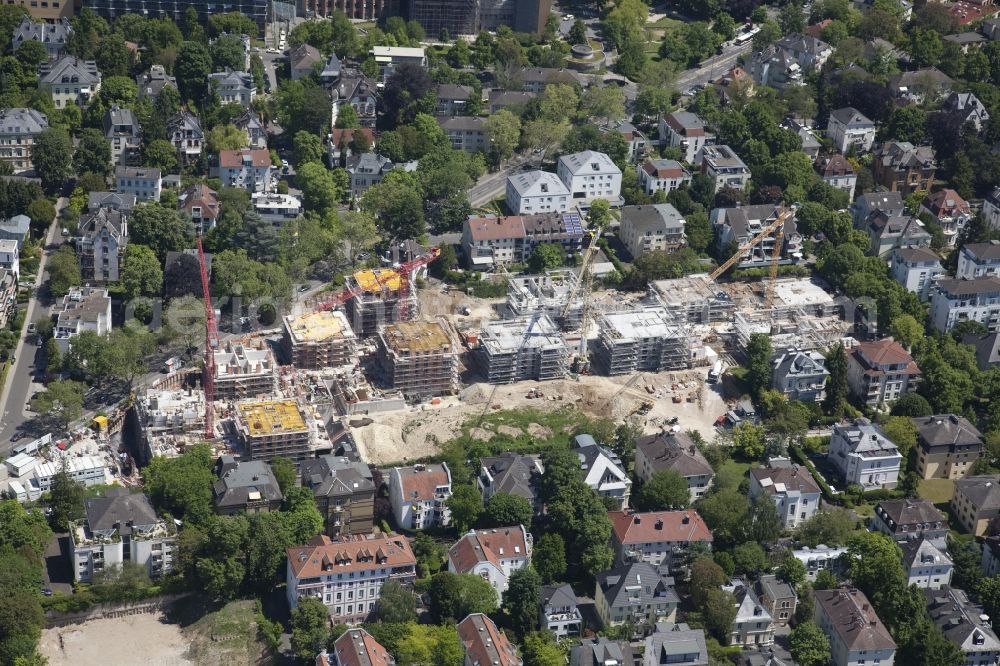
point(58, 566)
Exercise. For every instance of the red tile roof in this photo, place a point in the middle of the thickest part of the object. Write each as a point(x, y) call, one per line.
point(233, 159)
point(374, 551)
point(650, 168)
point(340, 133)
point(946, 203)
point(356, 647)
point(658, 526)
point(883, 352)
point(496, 228)
point(488, 546)
point(420, 482)
point(485, 644)
point(815, 29)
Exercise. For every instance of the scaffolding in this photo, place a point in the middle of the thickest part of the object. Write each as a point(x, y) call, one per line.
point(520, 349)
point(789, 328)
point(279, 428)
point(694, 299)
point(382, 296)
point(317, 340)
point(353, 395)
point(645, 340)
point(243, 372)
point(547, 294)
point(418, 358)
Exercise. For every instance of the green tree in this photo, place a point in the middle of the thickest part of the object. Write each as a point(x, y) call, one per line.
point(141, 272)
point(522, 598)
point(540, 649)
point(749, 440)
point(41, 210)
point(809, 645)
point(284, 473)
point(454, 596)
point(93, 153)
point(906, 330)
point(192, 68)
point(307, 147)
point(550, 557)
point(31, 54)
point(319, 190)
point(503, 509)
point(706, 576)
point(718, 613)
point(664, 490)
point(309, 627)
point(465, 505)
point(53, 357)
point(604, 103)
point(836, 385)
point(913, 405)
point(61, 401)
point(902, 432)
point(347, 117)
point(759, 353)
point(227, 53)
point(396, 603)
point(65, 500)
point(21, 622)
point(160, 154)
point(832, 526)
point(503, 129)
point(875, 566)
point(226, 137)
point(182, 486)
point(792, 571)
point(397, 204)
point(51, 155)
point(653, 101)
point(546, 256)
point(159, 228)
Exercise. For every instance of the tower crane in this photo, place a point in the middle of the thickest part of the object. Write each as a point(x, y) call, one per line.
point(586, 283)
point(211, 346)
point(777, 226)
point(404, 269)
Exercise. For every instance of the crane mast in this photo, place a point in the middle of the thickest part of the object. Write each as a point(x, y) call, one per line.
point(211, 345)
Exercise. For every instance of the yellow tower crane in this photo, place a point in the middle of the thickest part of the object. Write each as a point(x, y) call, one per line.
point(777, 226)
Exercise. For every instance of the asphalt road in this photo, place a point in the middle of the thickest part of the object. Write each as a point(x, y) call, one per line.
point(17, 388)
point(712, 68)
point(493, 185)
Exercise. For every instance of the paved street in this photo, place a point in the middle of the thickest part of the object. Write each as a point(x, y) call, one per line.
point(493, 185)
point(711, 68)
point(18, 386)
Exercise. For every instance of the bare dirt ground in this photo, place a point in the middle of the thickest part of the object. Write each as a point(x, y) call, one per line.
point(418, 431)
point(117, 641)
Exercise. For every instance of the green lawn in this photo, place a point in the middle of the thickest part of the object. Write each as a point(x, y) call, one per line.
point(937, 491)
point(731, 473)
point(665, 23)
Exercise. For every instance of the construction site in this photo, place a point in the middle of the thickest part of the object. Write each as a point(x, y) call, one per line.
point(555, 294)
point(381, 296)
point(515, 350)
point(316, 340)
point(418, 358)
point(641, 341)
point(244, 372)
point(279, 428)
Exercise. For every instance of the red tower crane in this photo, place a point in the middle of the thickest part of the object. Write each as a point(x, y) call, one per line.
point(405, 270)
point(211, 346)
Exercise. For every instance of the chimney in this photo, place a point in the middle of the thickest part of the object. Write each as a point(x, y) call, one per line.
point(686, 519)
point(636, 520)
point(659, 524)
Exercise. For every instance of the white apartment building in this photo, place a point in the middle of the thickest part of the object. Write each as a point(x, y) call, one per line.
point(850, 130)
point(819, 558)
point(88, 470)
point(10, 257)
point(248, 169)
point(724, 167)
point(926, 565)
point(347, 574)
point(69, 80)
point(657, 537)
point(18, 129)
point(978, 259)
point(857, 635)
point(794, 492)
point(388, 58)
point(991, 209)
point(651, 228)
point(865, 456)
point(662, 176)
point(277, 208)
point(954, 301)
point(144, 182)
point(493, 554)
point(419, 495)
point(684, 130)
point(590, 175)
point(185, 133)
point(82, 309)
point(233, 87)
point(537, 192)
point(916, 268)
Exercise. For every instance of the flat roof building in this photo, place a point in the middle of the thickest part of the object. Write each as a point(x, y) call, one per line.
point(418, 358)
point(641, 341)
point(243, 372)
point(274, 428)
point(318, 340)
point(526, 348)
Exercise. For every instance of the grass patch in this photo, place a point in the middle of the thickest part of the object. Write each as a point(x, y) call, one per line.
point(228, 635)
point(731, 473)
point(505, 425)
point(937, 491)
point(665, 23)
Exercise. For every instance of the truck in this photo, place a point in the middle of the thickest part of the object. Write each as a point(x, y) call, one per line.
point(171, 364)
point(715, 374)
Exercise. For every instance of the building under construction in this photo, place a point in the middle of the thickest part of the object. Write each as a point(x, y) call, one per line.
point(278, 428)
point(789, 328)
point(354, 395)
point(525, 348)
point(547, 294)
point(381, 296)
point(418, 358)
point(167, 419)
point(318, 340)
point(695, 299)
point(641, 341)
point(242, 372)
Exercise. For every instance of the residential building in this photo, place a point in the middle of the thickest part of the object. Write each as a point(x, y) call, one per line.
point(100, 245)
point(278, 209)
point(990, 563)
point(651, 228)
point(916, 268)
point(976, 502)
point(603, 470)
point(987, 349)
point(927, 565)
point(537, 192)
point(246, 487)
point(675, 644)
point(947, 446)
point(865, 456)
point(8, 295)
point(302, 59)
point(47, 10)
point(881, 371)
point(670, 451)
point(949, 210)
point(175, 11)
point(490, 240)
point(513, 100)
point(120, 527)
point(17, 228)
point(662, 176)
point(534, 79)
point(792, 489)
point(10, 260)
point(740, 224)
point(684, 130)
point(269, 429)
point(466, 133)
point(344, 492)
point(493, 554)
point(820, 558)
point(954, 301)
point(978, 260)
point(453, 100)
point(899, 166)
point(365, 170)
point(637, 593)
point(915, 85)
point(850, 130)
point(636, 140)
point(124, 203)
point(201, 204)
point(560, 611)
point(753, 624)
point(837, 172)
point(888, 233)
point(910, 520)
point(857, 635)
point(358, 92)
point(657, 537)
point(82, 309)
point(69, 80)
point(724, 167)
point(347, 142)
point(966, 41)
point(18, 129)
point(121, 129)
point(785, 63)
point(801, 375)
point(419, 495)
point(965, 108)
point(86, 470)
point(356, 647)
point(601, 651)
point(144, 182)
point(590, 175)
point(388, 58)
point(485, 644)
point(248, 169)
point(777, 597)
point(964, 624)
point(513, 474)
point(185, 133)
point(806, 130)
point(251, 125)
point(347, 573)
point(233, 87)
point(318, 340)
point(52, 35)
point(526, 347)
point(152, 83)
point(866, 205)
